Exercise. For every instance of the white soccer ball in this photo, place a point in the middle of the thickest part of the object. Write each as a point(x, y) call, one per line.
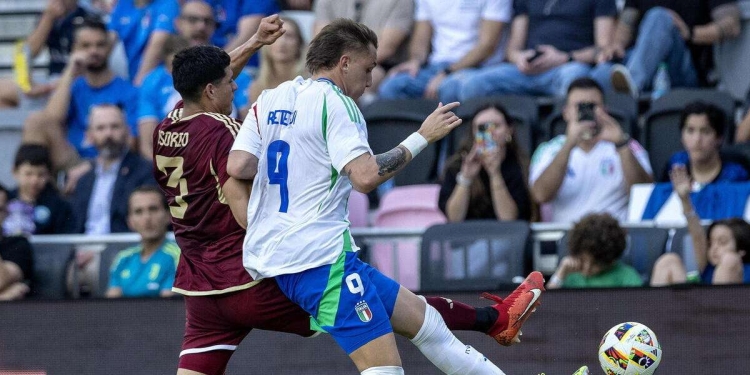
point(629, 349)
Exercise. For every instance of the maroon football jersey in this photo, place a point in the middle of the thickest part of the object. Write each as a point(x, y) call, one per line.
point(190, 159)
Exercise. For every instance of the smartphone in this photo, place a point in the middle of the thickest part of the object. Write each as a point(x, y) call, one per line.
point(483, 139)
point(586, 111)
point(537, 53)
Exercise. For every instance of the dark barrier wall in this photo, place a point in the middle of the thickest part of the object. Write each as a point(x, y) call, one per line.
point(702, 331)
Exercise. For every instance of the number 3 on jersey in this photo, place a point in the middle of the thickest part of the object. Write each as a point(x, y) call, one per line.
point(278, 153)
point(175, 179)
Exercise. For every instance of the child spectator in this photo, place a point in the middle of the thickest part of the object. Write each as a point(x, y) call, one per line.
point(487, 181)
point(146, 270)
point(281, 61)
point(16, 260)
point(721, 256)
point(36, 207)
point(596, 244)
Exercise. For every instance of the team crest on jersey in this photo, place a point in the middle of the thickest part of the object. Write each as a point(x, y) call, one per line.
point(363, 311)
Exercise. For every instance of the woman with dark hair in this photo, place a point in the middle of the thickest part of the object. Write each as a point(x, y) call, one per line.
point(486, 178)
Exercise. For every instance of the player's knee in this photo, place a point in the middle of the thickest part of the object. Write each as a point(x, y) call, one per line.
point(384, 370)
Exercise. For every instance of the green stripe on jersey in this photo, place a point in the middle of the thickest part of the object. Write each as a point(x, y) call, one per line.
point(329, 304)
point(347, 105)
point(324, 121)
point(334, 178)
point(357, 118)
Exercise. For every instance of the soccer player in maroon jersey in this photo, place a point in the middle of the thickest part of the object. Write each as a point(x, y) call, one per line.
point(191, 146)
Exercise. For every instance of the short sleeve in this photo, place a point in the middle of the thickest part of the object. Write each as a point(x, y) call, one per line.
point(248, 139)
point(401, 17)
point(422, 12)
point(224, 141)
point(498, 10)
point(323, 11)
point(115, 270)
point(520, 7)
point(541, 159)
point(259, 7)
point(165, 15)
point(605, 8)
point(345, 133)
point(131, 108)
point(641, 155)
point(148, 101)
point(169, 274)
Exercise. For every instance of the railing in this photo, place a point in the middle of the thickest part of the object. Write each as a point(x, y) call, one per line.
point(544, 237)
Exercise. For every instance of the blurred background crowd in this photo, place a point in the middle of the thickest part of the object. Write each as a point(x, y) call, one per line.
point(591, 114)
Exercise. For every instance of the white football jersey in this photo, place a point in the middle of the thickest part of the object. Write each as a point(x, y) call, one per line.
point(303, 132)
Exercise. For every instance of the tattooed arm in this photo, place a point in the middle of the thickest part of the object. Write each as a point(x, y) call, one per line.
point(368, 171)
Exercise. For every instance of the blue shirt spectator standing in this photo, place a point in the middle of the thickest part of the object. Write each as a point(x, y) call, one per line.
point(143, 27)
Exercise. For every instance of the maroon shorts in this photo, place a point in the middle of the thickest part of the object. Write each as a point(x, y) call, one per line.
point(216, 324)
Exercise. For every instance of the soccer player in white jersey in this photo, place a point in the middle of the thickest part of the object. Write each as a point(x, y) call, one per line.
point(305, 145)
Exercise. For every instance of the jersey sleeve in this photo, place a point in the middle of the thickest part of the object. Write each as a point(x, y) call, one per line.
point(225, 138)
point(641, 155)
point(248, 139)
point(148, 101)
point(498, 10)
point(343, 130)
point(165, 16)
point(541, 159)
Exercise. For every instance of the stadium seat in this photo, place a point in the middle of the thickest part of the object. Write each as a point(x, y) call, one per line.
point(644, 246)
point(473, 255)
point(731, 57)
point(389, 122)
point(50, 270)
point(404, 207)
point(522, 109)
point(620, 106)
point(107, 256)
point(661, 132)
point(359, 207)
point(682, 244)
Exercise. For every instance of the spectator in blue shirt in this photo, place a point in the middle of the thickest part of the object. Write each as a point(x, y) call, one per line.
point(143, 27)
point(85, 81)
point(54, 31)
point(238, 20)
point(703, 127)
point(148, 269)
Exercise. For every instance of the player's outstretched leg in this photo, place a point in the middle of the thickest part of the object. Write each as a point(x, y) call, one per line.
point(502, 321)
point(421, 323)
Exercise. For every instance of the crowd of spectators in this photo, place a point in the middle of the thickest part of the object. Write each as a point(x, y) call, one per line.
point(90, 146)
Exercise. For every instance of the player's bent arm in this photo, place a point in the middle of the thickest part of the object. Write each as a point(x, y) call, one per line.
point(367, 171)
point(269, 30)
point(237, 194)
point(242, 165)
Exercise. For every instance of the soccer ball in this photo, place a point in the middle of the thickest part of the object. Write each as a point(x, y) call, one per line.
point(629, 349)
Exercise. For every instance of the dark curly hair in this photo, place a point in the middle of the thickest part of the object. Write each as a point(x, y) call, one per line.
point(599, 235)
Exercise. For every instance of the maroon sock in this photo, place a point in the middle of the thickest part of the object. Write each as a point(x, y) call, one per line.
point(462, 317)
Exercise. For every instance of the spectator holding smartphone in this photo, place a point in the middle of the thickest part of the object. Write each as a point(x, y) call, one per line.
point(486, 179)
point(592, 167)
